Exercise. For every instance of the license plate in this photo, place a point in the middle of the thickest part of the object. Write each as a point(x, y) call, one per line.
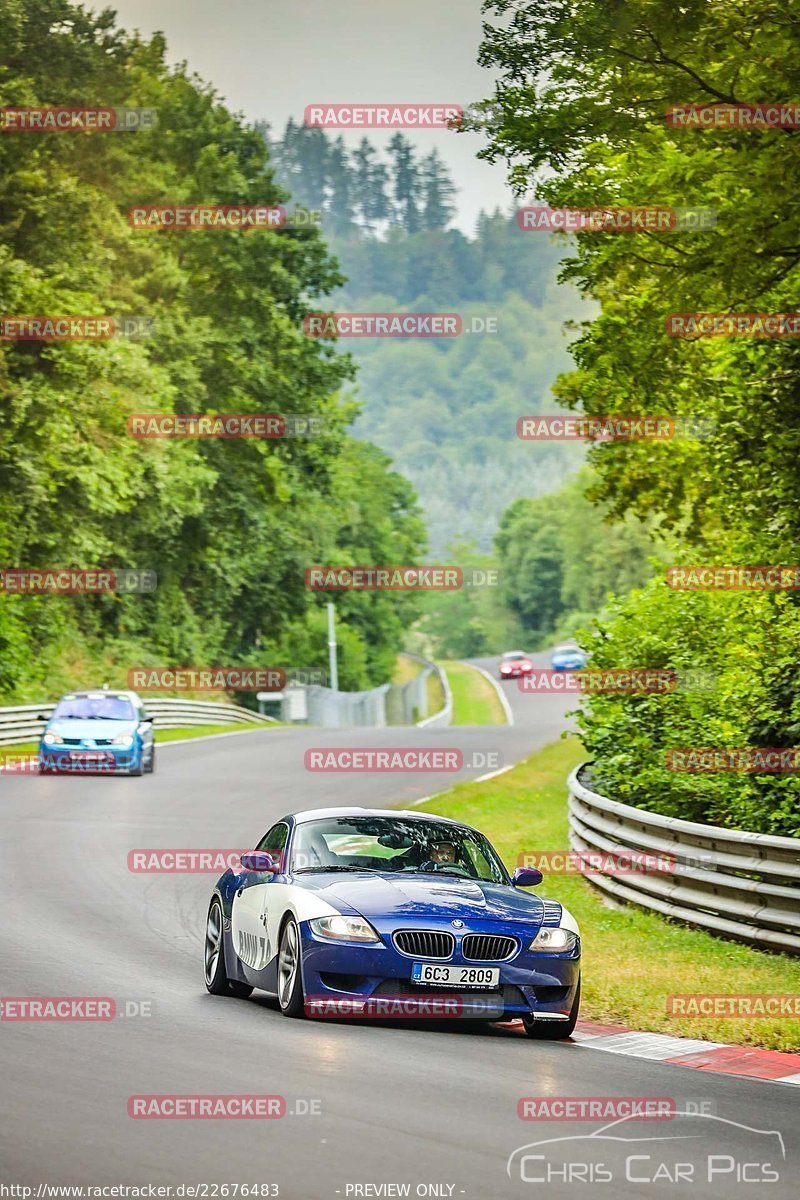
point(435, 975)
point(91, 758)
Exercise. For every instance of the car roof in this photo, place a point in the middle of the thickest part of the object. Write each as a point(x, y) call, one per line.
point(115, 693)
point(313, 814)
point(515, 654)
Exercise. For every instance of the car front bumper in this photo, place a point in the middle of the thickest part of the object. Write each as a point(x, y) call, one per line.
point(81, 760)
point(543, 984)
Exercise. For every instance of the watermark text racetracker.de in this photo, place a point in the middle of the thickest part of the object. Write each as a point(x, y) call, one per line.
point(398, 578)
point(60, 119)
point(400, 758)
point(52, 327)
point(631, 681)
point(772, 114)
point(628, 427)
point(72, 1008)
point(216, 1107)
point(616, 219)
point(383, 115)
point(766, 760)
point(597, 862)
point(235, 679)
point(35, 581)
point(772, 577)
point(734, 1004)
point(224, 425)
point(440, 1006)
point(396, 324)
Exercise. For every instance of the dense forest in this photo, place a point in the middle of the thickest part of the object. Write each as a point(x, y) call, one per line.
point(228, 526)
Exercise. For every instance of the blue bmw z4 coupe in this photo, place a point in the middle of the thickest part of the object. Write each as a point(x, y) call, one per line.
point(355, 905)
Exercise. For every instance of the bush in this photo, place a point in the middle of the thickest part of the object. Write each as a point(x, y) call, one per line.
point(749, 641)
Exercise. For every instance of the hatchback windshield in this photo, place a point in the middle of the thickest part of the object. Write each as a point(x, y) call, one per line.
point(398, 845)
point(88, 708)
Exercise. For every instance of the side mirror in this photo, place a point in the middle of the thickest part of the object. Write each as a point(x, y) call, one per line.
point(42, 717)
point(149, 720)
point(526, 877)
point(260, 862)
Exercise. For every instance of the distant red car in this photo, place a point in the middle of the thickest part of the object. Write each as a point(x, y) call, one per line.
point(515, 663)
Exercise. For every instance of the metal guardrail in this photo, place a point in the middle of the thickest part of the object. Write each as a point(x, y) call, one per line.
point(412, 696)
point(390, 704)
point(20, 723)
point(729, 881)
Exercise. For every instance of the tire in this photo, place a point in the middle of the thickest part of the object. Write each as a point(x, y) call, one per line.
point(290, 973)
point(554, 1031)
point(150, 768)
point(217, 981)
point(139, 768)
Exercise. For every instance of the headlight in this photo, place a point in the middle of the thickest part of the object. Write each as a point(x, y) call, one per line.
point(52, 739)
point(554, 939)
point(344, 929)
point(124, 739)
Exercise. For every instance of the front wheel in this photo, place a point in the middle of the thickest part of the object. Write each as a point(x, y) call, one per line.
point(217, 981)
point(553, 1031)
point(290, 976)
point(151, 763)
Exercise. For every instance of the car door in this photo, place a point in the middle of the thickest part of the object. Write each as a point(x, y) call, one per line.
point(250, 911)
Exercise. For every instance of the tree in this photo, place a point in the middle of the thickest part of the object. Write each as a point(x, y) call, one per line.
point(405, 182)
point(438, 193)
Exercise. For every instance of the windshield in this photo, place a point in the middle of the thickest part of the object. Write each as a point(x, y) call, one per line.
point(100, 707)
point(400, 845)
point(514, 656)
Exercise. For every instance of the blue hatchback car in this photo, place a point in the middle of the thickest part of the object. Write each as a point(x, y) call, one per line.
point(100, 731)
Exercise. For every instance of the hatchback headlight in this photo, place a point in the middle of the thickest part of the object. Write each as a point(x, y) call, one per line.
point(344, 929)
point(554, 940)
point(124, 739)
point(52, 739)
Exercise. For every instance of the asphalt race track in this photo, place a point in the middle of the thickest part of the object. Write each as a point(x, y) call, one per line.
point(434, 1107)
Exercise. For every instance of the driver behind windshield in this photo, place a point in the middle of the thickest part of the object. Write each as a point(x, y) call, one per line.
point(440, 854)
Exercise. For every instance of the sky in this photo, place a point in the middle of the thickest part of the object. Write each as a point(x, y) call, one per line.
point(269, 60)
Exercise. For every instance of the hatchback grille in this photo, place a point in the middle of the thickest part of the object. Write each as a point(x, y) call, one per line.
point(487, 947)
point(424, 943)
point(80, 741)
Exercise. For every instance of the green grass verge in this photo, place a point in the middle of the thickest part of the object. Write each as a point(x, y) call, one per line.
point(475, 701)
point(405, 669)
point(632, 960)
point(162, 735)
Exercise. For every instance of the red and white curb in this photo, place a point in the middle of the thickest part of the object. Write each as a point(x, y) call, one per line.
point(773, 1065)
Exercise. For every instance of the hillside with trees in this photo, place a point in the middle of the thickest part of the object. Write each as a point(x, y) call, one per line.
point(444, 409)
point(228, 526)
